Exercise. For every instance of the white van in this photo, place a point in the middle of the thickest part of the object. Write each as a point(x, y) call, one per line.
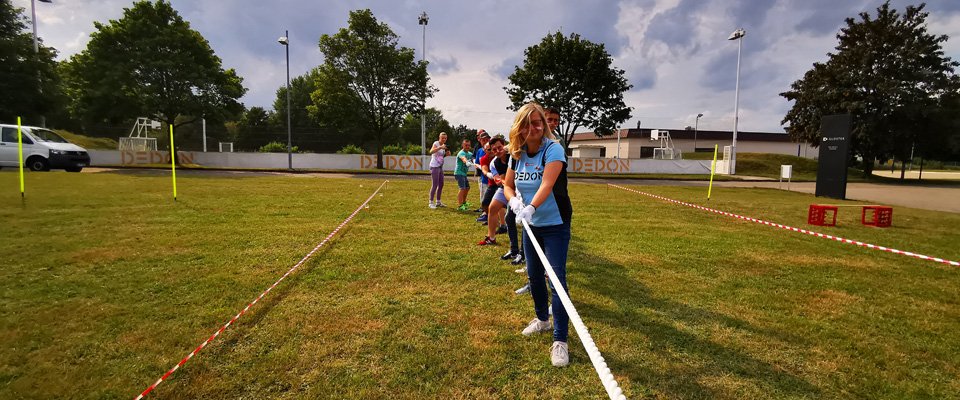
point(42, 150)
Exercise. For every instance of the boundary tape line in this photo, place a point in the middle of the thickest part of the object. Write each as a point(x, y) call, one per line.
point(236, 317)
point(790, 228)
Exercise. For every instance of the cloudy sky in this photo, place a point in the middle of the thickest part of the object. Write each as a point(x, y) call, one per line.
point(675, 52)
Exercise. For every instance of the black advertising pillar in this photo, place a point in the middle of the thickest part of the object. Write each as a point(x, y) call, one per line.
point(834, 148)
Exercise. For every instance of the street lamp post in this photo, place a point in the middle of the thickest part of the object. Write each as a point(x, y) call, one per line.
point(738, 36)
point(696, 129)
point(618, 143)
point(285, 41)
point(423, 20)
point(36, 51)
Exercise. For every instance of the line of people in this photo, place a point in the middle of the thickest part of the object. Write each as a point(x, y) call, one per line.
point(521, 180)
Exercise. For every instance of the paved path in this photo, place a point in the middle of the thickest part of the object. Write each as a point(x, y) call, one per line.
point(927, 197)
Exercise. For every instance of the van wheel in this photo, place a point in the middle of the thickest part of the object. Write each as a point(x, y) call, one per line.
point(37, 164)
point(74, 169)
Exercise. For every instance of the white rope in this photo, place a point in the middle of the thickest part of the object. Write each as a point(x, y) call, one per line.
point(606, 377)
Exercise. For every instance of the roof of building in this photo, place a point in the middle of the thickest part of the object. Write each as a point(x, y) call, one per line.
point(644, 133)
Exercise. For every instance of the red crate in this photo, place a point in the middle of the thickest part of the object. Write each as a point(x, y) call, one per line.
point(817, 215)
point(880, 216)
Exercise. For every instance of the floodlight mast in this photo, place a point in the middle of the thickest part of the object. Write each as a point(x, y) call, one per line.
point(36, 51)
point(423, 20)
point(738, 36)
point(285, 41)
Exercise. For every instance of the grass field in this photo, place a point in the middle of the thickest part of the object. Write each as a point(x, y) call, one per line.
point(106, 283)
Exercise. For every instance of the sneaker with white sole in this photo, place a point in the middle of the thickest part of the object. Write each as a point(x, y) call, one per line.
point(432, 205)
point(537, 326)
point(559, 354)
point(439, 204)
point(524, 289)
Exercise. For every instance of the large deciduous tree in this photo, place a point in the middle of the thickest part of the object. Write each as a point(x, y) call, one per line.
point(434, 122)
point(890, 74)
point(301, 88)
point(29, 83)
point(576, 77)
point(368, 82)
point(151, 63)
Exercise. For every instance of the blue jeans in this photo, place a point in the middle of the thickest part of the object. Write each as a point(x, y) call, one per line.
point(555, 242)
point(512, 231)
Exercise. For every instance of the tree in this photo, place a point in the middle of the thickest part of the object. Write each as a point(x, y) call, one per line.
point(29, 82)
point(367, 82)
point(889, 73)
point(301, 88)
point(434, 122)
point(576, 77)
point(254, 127)
point(150, 63)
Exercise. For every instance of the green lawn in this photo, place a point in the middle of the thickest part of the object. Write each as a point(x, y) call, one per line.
point(106, 283)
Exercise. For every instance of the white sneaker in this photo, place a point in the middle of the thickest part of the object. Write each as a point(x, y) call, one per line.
point(537, 326)
point(432, 205)
point(439, 204)
point(559, 354)
point(524, 289)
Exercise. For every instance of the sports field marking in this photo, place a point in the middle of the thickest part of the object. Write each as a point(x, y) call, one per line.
point(234, 319)
point(790, 228)
point(599, 364)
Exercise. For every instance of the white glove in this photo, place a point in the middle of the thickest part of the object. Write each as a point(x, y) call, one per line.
point(526, 214)
point(515, 205)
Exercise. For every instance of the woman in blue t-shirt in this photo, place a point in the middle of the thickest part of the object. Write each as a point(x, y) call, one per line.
point(537, 173)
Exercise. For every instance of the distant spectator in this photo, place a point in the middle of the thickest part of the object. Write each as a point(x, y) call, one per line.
point(437, 152)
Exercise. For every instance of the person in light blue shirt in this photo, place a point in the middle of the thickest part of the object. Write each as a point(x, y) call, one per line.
point(536, 191)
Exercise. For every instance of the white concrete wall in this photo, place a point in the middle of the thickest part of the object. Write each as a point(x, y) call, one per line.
point(101, 158)
point(631, 148)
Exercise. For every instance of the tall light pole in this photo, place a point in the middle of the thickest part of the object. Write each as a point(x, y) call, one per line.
point(423, 20)
point(285, 41)
point(36, 51)
point(696, 129)
point(738, 36)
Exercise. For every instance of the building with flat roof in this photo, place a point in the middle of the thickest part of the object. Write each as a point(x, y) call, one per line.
point(637, 143)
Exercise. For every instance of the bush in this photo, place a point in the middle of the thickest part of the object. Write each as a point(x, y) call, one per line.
point(399, 149)
point(277, 147)
point(395, 149)
point(350, 149)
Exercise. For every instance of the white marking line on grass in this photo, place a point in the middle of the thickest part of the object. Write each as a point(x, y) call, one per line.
point(790, 228)
point(599, 364)
point(234, 319)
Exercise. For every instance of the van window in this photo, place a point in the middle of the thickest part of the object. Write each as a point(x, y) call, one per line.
point(9, 135)
point(46, 135)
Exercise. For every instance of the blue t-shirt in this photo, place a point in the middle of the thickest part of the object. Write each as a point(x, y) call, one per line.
point(529, 175)
point(476, 160)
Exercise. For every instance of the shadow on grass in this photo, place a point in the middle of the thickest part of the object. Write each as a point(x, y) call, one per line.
point(692, 358)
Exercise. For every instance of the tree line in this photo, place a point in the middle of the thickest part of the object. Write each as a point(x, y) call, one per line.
point(888, 72)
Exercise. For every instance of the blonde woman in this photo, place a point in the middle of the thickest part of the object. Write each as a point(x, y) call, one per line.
point(437, 152)
point(537, 172)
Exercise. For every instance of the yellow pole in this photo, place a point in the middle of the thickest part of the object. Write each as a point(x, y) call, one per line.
point(173, 164)
point(713, 168)
point(20, 155)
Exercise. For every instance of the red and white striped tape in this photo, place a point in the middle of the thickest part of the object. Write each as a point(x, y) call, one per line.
point(234, 319)
point(790, 228)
